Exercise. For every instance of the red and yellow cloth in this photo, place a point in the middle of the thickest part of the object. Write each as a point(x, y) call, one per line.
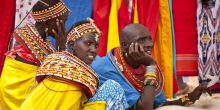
point(154, 14)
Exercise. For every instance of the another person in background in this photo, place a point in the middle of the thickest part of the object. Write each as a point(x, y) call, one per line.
point(70, 82)
point(21, 64)
point(132, 66)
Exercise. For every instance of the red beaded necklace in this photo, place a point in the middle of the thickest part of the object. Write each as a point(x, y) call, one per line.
point(134, 77)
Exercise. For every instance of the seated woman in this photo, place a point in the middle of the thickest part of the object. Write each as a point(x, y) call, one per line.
point(31, 47)
point(68, 82)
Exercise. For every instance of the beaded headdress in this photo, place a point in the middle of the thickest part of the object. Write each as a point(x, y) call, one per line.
point(71, 69)
point(82, 29)
point(52, 12)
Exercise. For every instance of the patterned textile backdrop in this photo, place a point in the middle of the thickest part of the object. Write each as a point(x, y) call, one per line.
point(22, 15)
point(22, 9)
point(208, 25)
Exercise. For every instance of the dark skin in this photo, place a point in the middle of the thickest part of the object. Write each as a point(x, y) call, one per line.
point(85, 48)
point(136, 44)
point(56, 28)
point(53, 27)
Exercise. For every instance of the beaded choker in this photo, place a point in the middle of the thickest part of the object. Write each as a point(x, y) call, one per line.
point(52, 12)
point(82, 29)
point(70, 68)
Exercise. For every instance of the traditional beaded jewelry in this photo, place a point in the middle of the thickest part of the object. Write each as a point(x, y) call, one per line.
point(137, 83)
point(29, 37)
point(82, 29)
point(70, 68)
point(150, 75)
point(151, 69)
point(52, 12)
point(154, 77)
point(186, 101)
point(151, 82)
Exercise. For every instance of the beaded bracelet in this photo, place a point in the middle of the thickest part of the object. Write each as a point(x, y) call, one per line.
point(150, 75)
point(186, 101)
point(151, 69)
point(151, 82)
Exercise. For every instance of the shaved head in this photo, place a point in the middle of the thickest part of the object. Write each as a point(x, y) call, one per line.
point(133, 33)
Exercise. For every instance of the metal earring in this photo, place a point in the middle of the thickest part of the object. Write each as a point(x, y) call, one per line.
point(126, 54)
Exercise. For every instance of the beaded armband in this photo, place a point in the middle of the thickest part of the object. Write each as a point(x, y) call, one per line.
point(150, 76)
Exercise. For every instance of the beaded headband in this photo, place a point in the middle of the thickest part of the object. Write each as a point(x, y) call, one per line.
point(52, 12)
point(82, 29)
point(70, 68)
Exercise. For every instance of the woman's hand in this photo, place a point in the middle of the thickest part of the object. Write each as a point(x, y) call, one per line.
point(60, 35)
point(137, 53)
point(197, 92)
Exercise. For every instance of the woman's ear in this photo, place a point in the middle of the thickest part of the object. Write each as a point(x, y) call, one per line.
point(71, 45)
point(124, 47)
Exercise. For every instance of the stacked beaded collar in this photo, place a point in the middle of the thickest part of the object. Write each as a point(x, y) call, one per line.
point(71, 69)
point(82, 29)
point(31, 40)
point(137, 80)
point(52, 12)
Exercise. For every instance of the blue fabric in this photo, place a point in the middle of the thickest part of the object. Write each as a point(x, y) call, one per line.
point(80, 10)
point(173, 37)
point(107, 70)
point(112, 93)
point(173, 40)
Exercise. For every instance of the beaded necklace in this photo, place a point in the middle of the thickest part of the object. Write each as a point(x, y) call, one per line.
point(133, 78)
point(70, 68)
point(31, 39)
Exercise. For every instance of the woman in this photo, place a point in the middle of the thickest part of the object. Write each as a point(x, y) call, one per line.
point(69, 81)
point(22, 61)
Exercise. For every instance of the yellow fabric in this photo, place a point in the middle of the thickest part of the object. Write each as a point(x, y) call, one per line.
point(17, 80)
point(163, 47)
point(136, 13)
point(0, 94)
point(113, 34)
point(55, 95)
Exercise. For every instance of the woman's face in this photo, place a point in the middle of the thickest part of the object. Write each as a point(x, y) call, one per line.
point(86, 47)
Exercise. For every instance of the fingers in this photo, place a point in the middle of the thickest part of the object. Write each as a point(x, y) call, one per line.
point(59, 28)
point(142, 49)
point(63, 26)
point(202, 86)
point(56, 37)
point(46, 32)
point(134, 50)
point(55, 33)
point(136, 47)
point(59, 34)
point(131, 48)
point(209, 91)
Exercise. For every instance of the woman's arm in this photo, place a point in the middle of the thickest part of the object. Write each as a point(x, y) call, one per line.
point(146, 101)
